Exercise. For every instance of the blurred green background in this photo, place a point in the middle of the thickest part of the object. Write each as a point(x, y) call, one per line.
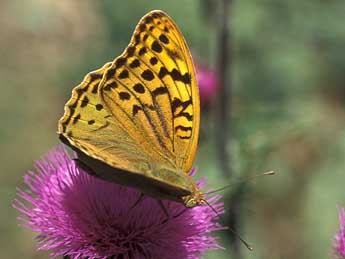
point(288, 107)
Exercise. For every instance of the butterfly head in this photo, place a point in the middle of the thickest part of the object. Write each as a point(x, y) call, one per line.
point(194, 199)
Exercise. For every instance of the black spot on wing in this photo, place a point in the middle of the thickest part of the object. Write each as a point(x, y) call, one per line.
point(136, 109)
point(131, 50)
point(142, 27)
point(156, 15)
point(124, 96)
point(95, 76)
point(184, 137)
point(175, 75)
point(110, 74)
point(136, 39)
point(80, 91)
point(76, 118)
point(188, 116)
point(99, 107)
point(71, 113)
point(135, 63)
point(139, 88)
point(147, 75)
point(163, 39)
point(148, 19)
point(124, 74)
point(160, 90)
point(156, 47)
point(153, 61)
point(163, 72)
point(177, 103)
point(183, 128)
point(110, 86)
point(94, 87)
point(84, 101)
point(142, 51)
point(120, 62)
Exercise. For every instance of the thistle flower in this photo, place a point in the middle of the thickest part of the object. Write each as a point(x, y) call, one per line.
point(80, 216)
point(339, 240)
point(208, 83)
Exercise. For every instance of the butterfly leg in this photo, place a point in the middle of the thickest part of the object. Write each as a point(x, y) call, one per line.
point(161, 204)
point(180, 213)
point(141, 197)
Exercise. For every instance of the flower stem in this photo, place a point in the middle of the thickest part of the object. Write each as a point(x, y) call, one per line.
point(224, 112)
point(224, 102)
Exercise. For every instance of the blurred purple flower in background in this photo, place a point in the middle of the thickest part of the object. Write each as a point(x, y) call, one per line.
point(339, 240)
point(80, 216)
point(208, 83)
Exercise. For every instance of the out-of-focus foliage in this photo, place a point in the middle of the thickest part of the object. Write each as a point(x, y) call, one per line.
point(288, 105)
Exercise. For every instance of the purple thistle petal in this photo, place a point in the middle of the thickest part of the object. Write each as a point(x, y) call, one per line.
point(81, 216)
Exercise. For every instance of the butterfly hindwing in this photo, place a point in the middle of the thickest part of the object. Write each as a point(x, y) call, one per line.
point(86, 126)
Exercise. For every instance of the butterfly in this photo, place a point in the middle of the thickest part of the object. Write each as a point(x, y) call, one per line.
point(135, 121)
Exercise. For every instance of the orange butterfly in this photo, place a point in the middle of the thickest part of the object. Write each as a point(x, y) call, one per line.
point(135, 121)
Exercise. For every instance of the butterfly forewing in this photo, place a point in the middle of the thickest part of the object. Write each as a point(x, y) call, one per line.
point(156, 91)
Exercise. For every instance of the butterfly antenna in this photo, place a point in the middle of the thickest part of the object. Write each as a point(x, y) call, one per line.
point(249, 247)
point(241, 181)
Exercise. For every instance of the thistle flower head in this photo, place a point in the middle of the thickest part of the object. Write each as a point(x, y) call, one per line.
point(208, 83)
point(80, 216)
point(339, 240)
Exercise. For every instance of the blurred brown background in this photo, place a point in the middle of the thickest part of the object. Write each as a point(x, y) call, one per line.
point(287, 107)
